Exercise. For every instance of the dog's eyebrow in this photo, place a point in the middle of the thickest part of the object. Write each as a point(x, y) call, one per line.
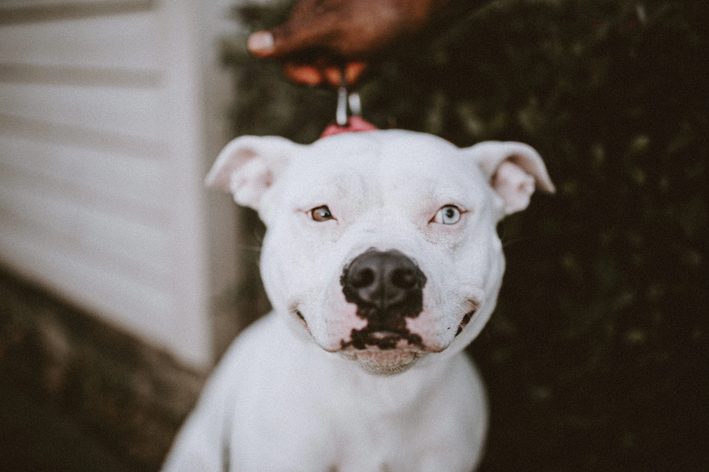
point(433, 193)
point(336, 185)
point(326, 195)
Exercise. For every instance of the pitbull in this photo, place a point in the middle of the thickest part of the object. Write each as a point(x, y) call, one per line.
point(382, 263)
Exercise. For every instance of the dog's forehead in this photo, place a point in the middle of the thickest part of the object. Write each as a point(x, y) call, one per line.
point(413, 169)
point(391, 152)
point(386, 143)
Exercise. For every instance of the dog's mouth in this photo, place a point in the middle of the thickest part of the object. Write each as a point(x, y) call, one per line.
point(385, 344)
point(383, 339)
point(464, 322)
point(300, 316)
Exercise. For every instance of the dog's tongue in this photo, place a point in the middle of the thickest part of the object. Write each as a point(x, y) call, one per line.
point(356, 123)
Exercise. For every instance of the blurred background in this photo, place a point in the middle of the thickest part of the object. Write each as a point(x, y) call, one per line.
point(122, 280)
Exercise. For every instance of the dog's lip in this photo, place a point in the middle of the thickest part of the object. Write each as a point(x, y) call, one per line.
point(465, 320)
point(300, 315)
point(301, 318)
point(405, 347)
point(378, 349)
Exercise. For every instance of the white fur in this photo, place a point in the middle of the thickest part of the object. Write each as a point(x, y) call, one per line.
point(287, 397)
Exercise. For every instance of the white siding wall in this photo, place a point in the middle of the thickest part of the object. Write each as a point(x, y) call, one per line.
point(104, 142)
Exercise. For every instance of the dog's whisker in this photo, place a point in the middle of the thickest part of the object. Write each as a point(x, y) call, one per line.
point(510, 242)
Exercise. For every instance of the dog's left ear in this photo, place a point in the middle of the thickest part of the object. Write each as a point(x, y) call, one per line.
point(514, 170)
point(249, 165)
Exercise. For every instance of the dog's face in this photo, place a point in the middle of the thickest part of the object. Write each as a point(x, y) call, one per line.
point(383, 244)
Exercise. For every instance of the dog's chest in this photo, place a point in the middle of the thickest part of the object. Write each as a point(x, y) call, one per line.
point(320, 446)
point(323, 413)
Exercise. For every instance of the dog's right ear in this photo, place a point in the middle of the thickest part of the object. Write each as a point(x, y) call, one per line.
point(513, 170)
point(249, 165)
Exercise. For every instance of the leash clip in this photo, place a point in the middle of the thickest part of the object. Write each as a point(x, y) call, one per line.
point(348, 103)
point(342, 113)
point(348, 115)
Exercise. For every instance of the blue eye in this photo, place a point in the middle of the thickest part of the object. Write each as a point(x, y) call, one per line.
point(448, 215)
point(321, 213)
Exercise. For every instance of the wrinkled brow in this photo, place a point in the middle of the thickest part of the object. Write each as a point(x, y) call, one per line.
point(313, 189)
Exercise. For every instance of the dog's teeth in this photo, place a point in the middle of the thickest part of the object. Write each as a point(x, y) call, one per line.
point(382, 334)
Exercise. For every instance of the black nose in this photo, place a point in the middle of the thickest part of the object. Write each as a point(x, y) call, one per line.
point(384, 284)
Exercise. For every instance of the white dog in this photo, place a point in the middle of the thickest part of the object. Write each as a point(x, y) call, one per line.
point(382, 262)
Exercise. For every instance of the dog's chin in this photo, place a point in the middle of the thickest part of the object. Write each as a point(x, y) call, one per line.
point(388, 362)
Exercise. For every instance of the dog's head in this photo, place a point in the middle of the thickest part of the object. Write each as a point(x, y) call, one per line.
point(382, 245)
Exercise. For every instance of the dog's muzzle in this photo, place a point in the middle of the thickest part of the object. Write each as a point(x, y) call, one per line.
point(387, 288)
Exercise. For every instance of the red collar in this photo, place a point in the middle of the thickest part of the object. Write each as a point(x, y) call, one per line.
point(355, 124)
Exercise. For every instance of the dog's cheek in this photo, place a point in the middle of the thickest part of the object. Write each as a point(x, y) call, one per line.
point(444, 305)
point(283, 271)
point(486, 275)
point(332, 319)
point(460, 282)
point(337, 318)
point(299, 275)
point(272, 278)
point(492, 264)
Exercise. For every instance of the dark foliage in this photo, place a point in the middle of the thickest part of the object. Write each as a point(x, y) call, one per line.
point(597, 356)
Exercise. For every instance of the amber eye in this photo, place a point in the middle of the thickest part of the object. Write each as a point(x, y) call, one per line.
point(448, 215)
point(321, 213)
